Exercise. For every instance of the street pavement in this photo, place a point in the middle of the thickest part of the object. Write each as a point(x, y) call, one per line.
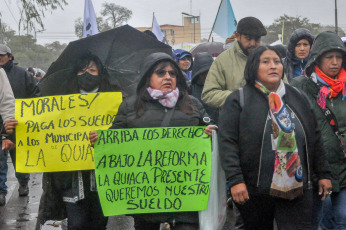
point(21, 212)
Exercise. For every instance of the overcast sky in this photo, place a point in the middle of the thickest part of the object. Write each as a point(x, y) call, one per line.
point(60, 24)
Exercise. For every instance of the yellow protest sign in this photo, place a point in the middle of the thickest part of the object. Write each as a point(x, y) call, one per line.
point(53, 132)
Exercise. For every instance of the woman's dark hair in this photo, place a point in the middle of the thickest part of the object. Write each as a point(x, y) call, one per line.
point(84, 60)
point(143, 97)
point(253, 61)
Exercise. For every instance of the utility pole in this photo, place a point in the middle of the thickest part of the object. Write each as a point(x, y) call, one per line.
point(336, 17)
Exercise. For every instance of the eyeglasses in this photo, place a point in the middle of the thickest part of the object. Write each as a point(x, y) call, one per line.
point(162, 73)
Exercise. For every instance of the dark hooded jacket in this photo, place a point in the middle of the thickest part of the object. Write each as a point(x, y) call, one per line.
point(201, 65)
point(55, 185)
point(178, 54)
point(291, 62)
point(22, 83)
point(325, 42)
point(153, 115)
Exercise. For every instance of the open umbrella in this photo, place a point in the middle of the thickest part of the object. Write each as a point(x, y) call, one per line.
point(213, 48)
point(121, 51)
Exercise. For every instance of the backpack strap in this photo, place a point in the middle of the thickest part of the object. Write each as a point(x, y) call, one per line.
point(241, 97)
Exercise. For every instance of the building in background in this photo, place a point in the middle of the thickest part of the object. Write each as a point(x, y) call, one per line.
point(189, 32)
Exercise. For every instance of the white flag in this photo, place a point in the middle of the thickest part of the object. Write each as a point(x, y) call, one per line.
point(90, 25)
point(157, 30)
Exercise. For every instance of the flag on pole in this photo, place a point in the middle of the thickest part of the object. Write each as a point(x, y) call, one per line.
point(225, 23)
point(157, 30)
point(90, 25)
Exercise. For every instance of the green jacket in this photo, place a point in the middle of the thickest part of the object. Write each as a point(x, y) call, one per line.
point(337, 106)
point(225, 75)
point(325, 42)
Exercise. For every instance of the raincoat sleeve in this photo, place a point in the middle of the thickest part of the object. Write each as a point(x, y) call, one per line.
point(120, 121)
point(214, 92)
point(201, 111)
point(6, 98)
point(229, 139)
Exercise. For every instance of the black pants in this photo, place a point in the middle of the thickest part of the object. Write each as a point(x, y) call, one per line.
point(86, 214)
point(260, 210)
point(143, 225)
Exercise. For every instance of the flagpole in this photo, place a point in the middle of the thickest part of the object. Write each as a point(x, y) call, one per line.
point(214, 21)
point(282, 33)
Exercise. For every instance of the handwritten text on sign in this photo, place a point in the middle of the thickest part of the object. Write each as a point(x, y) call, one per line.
point(53, 132)
point(151, 170)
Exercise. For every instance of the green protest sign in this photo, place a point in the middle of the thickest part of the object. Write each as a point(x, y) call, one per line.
point(152, 170)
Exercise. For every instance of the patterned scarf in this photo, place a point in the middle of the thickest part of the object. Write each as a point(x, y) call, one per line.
point(288, 172)
point(330, 87)
point(167, 99)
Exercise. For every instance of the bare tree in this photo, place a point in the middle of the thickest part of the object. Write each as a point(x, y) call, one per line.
point(101, 26)
point(32, 12)
point(290, 25)
point(113, 16)
point(116, 15)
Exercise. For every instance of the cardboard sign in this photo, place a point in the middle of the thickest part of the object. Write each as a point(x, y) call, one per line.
point(151, 170)
point(53, 132)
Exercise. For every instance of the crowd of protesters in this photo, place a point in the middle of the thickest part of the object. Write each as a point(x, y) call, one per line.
point(281, 116)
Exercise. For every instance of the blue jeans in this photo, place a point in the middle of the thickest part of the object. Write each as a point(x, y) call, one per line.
point(332, 212)
point(339, 208)
point(23, 178)
point(327, 221)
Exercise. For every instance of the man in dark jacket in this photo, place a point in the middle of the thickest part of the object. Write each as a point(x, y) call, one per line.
point(24, 86)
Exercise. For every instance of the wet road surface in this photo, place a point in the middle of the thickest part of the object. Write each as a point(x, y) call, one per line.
point(21, 212)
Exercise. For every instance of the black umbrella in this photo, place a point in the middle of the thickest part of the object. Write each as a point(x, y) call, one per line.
point(121, 51)
point(213, 48)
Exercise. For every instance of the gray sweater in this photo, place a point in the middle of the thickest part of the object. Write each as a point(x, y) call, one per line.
point(6, 98)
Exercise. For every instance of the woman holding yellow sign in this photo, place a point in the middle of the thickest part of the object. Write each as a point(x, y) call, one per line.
point(162, 100)
point(73, 195)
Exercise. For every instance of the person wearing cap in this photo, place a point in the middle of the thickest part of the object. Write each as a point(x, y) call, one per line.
point(23, 86)
point(200, 69)
point(298, 50)
point(227, 72)
point(184, 61)
point(324, 83)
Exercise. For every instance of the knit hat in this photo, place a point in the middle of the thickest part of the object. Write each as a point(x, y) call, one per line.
point(251, 26)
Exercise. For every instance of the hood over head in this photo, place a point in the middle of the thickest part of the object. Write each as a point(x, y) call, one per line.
point(296, 36)
point(324, 42)
point(180, 53)
point(150, 62)
point(202, 64)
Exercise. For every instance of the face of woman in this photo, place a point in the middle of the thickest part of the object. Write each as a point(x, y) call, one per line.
point(164, 79)
point(184, 63)
point(302, 49)
point(331, 63)
point(270, 70)
point(91, 69)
